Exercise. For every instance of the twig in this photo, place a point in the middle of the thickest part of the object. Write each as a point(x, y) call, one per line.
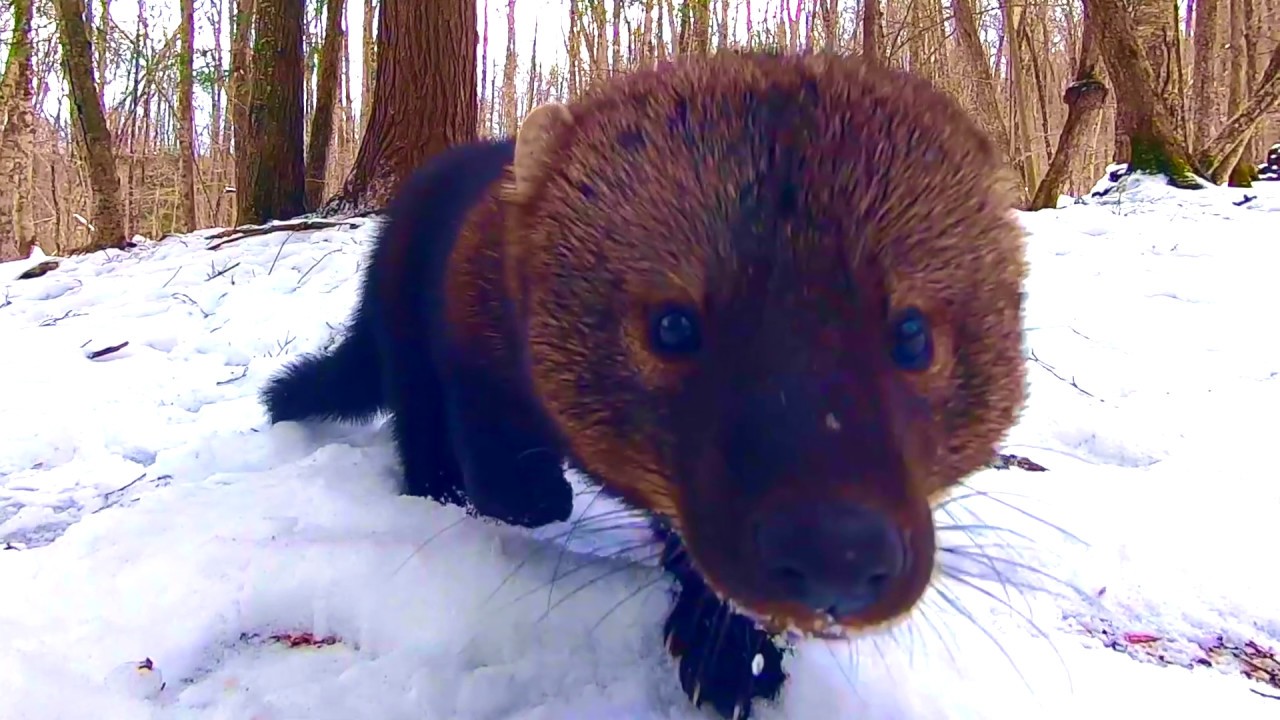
point(223, 271)
point(228, 381)
point(313, 267)
point(279, 250)
point(108, 350)
point(1071, 382)
point(50, 322)
point(171, 277)
point(187, 298)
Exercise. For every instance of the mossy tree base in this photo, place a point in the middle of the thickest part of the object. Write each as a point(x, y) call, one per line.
point(1151, 156)
point(1243, 174)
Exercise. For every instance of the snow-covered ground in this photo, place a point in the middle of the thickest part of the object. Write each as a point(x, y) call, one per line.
point(147, 511)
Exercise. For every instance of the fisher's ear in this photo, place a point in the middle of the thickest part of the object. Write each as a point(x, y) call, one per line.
point(534, 142)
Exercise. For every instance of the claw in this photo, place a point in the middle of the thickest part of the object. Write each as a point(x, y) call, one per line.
point(737, 712)
point(697, 694)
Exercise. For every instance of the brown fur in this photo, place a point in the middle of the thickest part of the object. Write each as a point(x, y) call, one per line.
point(648, 190)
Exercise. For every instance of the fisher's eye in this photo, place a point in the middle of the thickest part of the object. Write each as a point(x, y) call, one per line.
point(675, 332)
point(911, 343)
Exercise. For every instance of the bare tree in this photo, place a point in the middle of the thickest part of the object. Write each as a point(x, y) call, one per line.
point(424, 97)
point(369, 60)
point(17, 231)
point(186, 120)
point(1204, 78)
point(1215, 159)
point(1084, 97)
point(91, 127)
point(326, 92)
point(1142, 113)
point(872, 48)
point(241, 87)
point(509, 74)
point(979, 68)
point(276, 176)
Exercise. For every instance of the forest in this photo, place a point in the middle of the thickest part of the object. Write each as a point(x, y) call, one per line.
point(154, 117)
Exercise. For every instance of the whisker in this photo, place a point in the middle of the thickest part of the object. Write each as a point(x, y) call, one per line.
point(616, 554)
point(565, 547)
point(985, 556)
point(659, 577)
point(964, 612)
point(994, 497)
point(1080, 593)
point(431, 538)
point(1027, 619)
point(623, 568)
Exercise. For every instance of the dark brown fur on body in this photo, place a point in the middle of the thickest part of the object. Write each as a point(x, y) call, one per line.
point(796, 210)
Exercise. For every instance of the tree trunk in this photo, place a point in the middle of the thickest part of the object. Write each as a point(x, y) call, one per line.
point(1214, 159)
point(239, 97)
point(1204, 80)
point(975, 56)
point(1084, 98)
point(326, 92)
point(186, 120)
point(1155, 30)
point(369, 62)
point(424, 97)
point(17, 144)
point(1237, 89)
point(276, 173)
point(509, 118)
point(1155, 144)
point(871, 43)
point(91, 126)
point(1020, 97)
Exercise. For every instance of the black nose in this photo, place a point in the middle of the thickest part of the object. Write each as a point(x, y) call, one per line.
point(837, 558)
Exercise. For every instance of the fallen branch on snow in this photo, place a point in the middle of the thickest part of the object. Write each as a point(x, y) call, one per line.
point(108, 350)
point(230, 235)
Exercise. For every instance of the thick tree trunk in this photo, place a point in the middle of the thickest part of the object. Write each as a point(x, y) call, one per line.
point(1204, 79)
point(1155, 144)
point(241, 87)
point(326, 92)
point(91, 127)
point(871, 42)
point(1155, 30)
point(186, 120)
point(1237, 89)
point(17, 144)
point(1084, 97)
point(276, 175)
point(424, 97)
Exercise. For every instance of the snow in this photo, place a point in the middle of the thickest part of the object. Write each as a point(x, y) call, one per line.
point(158, 532)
